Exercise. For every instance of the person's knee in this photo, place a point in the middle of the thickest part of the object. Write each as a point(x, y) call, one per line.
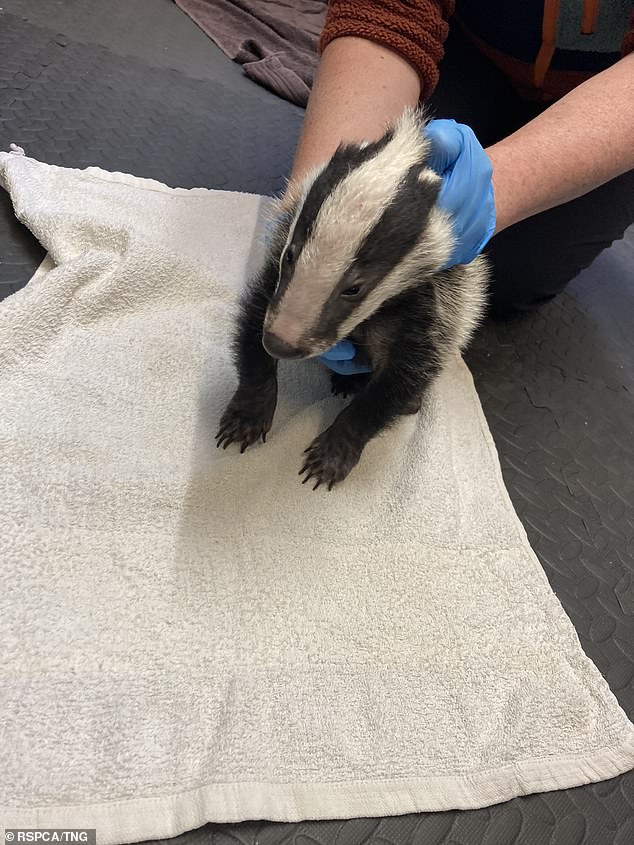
point(529, 269)
point(523, 278)
point(536, 259)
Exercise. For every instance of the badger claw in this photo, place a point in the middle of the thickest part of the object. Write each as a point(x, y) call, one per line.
point(248, 417)
point(330, 458)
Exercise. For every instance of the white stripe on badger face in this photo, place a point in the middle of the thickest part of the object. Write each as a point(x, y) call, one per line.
point(430, 252)
point(344, 220)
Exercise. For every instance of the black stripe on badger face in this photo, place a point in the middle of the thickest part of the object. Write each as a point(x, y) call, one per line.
point(345, 159)
point(399, 229)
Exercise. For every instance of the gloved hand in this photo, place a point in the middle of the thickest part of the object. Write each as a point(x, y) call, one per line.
point(467, 190)
point(466, 194)
point(340, 359)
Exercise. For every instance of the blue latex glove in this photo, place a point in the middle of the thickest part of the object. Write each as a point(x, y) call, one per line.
point(340, 359)
point(466, 194)
point(467, 190)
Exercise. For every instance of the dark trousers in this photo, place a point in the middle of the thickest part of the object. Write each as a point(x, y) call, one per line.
point(533, 260)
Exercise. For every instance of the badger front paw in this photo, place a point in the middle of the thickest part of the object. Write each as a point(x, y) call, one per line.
point(330, 457)
point(248, 416)
point(348, 385)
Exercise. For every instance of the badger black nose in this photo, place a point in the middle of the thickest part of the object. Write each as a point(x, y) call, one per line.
point(279, 348)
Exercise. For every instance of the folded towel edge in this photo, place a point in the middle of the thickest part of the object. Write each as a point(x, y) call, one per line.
point(160, 817)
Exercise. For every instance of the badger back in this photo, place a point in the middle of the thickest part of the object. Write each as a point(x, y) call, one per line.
point(365, 228)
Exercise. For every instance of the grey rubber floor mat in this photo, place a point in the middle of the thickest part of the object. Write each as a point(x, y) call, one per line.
point(137, 87)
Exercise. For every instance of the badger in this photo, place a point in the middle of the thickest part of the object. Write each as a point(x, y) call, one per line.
point(357, 252)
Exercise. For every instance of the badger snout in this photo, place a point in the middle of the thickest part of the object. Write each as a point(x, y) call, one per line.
point(280, 336)
point(278, 348)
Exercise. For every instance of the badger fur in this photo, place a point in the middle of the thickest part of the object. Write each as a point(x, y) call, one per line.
point(356, 253)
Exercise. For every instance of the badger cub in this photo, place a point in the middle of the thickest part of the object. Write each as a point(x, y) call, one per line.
point(356, 253)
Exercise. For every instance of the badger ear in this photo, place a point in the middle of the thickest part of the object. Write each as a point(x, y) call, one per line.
point(429, 177)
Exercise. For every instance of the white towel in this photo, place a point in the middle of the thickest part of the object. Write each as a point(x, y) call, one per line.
point(189, 634)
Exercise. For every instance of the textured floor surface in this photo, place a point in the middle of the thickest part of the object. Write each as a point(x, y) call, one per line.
point(136, 87)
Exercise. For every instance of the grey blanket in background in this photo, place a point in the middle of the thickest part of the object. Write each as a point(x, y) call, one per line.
point(275, 41)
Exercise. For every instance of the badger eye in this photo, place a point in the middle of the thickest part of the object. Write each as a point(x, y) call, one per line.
point(353, 291)
point(289, 255)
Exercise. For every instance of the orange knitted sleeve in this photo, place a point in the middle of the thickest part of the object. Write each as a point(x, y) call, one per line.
point(416, 29)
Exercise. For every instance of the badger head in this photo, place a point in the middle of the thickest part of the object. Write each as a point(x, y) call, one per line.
point(364, 229)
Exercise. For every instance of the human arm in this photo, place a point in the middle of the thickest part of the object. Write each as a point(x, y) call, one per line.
point(578, 143)
point(360, 86)
point(377, 59)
